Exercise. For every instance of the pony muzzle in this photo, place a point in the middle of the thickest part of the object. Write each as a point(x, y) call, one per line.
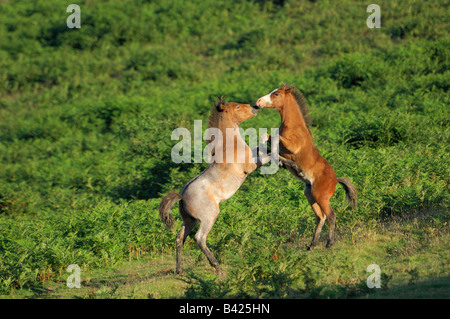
point(263, 102)
point(255, 109)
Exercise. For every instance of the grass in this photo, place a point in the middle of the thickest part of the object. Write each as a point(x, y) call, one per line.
point(86, 117)
point(411, 253)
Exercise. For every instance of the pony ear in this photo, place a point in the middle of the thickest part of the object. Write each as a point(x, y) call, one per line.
point(220, 104)
point(287, 88)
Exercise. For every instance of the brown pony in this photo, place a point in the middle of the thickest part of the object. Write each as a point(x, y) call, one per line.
point(200, 198)
point(296, 144)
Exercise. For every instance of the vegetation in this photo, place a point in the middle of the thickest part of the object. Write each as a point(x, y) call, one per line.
point(86, 117)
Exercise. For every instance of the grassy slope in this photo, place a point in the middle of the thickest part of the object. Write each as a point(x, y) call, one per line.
point(86, 117)
point(412, 256)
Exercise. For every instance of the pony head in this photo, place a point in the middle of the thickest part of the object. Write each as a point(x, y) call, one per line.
point(275, 99)
point(237, 111)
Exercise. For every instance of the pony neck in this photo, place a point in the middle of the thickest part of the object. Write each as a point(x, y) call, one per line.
point(225, 121)
point(290, 113)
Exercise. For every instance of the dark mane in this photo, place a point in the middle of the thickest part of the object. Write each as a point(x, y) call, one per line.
point(219, 101)
point(214, 117)
point(301, 101)
point(213, 120)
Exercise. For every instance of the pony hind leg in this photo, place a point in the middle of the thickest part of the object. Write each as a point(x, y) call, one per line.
point(322, 191)
point(201, 235)
point(186, 229)
point(332, 221)
point(331, 216)
point(320, 217)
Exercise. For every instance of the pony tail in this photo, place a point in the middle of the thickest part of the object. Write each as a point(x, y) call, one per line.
point(350, 191)
point(165, 206)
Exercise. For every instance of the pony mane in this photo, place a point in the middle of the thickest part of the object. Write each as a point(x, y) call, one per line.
point(214, 117)
point(301, 102)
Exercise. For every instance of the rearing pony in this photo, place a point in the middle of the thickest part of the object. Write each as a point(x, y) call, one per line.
point(296, 144)
point(200, 198)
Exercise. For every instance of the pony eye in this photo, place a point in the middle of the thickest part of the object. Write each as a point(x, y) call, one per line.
point(276, 94)
point(238, 107)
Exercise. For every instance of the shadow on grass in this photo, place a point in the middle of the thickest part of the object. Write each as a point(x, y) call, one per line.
point(211, 287)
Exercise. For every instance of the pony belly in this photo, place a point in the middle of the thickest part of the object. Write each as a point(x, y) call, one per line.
point(301, 178)
point(198, 200)
point(304, 176)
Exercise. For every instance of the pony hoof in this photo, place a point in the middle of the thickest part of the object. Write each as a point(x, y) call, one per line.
point(310, 247)
point(329, 244)
point(180, 272)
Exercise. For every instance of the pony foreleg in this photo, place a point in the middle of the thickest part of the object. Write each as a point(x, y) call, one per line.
point(286, 163)
point(261, 153)
point(263, 160)
point(260, 156)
